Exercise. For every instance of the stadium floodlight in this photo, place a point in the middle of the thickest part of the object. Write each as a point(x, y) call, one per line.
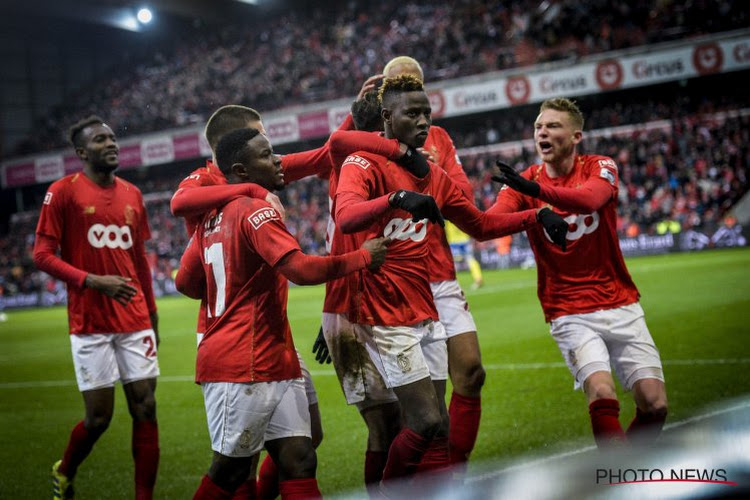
point(251, 2)
point(128, 23)
point(144, 15)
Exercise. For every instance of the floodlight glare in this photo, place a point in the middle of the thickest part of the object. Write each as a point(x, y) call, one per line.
point(145, 16)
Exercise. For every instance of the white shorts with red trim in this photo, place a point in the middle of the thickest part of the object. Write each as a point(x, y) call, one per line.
point(101, 359)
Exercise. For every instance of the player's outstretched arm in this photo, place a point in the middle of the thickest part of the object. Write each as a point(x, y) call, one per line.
point(199, 200)
point(304, 269)
point(587, 198)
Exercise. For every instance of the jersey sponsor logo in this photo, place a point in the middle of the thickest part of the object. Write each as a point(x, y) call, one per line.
point(356, 160)
point(579, 225)
point(194, 177)
point(608, 175)
point(608, 163)
point(110, 236)
point(405, 229)
point(263, 215)
point(48, 198)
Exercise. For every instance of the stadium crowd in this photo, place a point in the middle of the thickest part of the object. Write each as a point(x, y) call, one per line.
point(302, 56)
point(690, 173)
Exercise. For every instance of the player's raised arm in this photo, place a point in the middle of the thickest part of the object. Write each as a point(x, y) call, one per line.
point(201, 199)
point(592, 195)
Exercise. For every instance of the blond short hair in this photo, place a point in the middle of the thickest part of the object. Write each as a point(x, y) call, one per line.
point(397, 85)
point(404, 61)
point(567, 106)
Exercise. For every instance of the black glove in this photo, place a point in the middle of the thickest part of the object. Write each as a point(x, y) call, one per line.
point(420, 206)
point(556, 227)
point(414, 162)
point(320, 349)
point(514, 180)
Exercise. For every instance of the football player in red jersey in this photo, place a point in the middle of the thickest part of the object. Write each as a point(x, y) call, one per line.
point(392, 310)
point(240, 259)
point(464, 359)
point(98, 222)
point(586, 292)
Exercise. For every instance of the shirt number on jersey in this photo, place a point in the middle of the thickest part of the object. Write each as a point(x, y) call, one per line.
point(405, 229)
point(214, 256)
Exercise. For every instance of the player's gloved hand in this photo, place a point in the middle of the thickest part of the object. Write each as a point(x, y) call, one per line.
point(414, 162)
point(320, 349)
point(556, 227)
point(420, 206)
point(507, 175)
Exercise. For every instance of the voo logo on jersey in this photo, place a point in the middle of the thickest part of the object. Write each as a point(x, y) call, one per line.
point(110, 236)
point(405, 229)
point(578, 225)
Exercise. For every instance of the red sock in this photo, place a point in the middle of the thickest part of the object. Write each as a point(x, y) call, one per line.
point(145, 446)
point(405, 453)
point(79, 446)
point(246, 491)
point(605, 423)
point(374, 464)
point(437, 457)
point(300, 489)
point(208, 490)
point(464, 412)
point(646, 427)
point(268, 480)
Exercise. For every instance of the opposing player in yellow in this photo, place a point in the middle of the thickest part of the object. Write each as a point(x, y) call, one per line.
point(463, 251)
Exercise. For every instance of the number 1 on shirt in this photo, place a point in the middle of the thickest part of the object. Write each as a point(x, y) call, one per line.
point(214, 256)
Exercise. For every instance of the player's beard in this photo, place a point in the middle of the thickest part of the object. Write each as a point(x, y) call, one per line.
point(104, 167)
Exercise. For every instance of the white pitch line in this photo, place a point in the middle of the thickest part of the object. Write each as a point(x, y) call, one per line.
point(558, 456)
point(330, 372)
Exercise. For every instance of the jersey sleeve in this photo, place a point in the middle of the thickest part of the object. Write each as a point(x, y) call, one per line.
point(191, 277)
point(600, 188)
point(52, 217)
point(346, 142)
point(297, 166)
point(264, 230)
point(451, 163)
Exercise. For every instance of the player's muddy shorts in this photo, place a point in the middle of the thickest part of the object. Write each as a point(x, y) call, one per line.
point(243, 416)
point(452, 308)
point(618, 337)
point(101, 359)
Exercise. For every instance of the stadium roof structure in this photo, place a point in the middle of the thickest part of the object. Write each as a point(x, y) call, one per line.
point(112, 13)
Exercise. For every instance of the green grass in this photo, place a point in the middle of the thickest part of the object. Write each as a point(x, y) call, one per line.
point(696, 307)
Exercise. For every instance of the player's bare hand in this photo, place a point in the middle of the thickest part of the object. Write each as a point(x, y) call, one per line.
point(117, 287)
point(369, 85)
point(377, 247)
point(428, 156)
point(275, 202)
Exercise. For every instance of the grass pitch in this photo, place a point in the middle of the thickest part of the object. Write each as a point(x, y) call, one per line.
point(697, 308)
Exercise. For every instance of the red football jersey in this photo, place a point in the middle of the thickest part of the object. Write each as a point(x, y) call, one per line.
point(591, 274)
point(210, 175)
point(440, 259)
point(99, 230)
point(247, 336)
point(399, 293)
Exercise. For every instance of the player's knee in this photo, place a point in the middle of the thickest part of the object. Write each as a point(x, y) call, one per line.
point(428, 425)
point(97, 424)
point(299, 462)
point(475, 376)
point(656, 408)
point(603, 391)
point(145, 409)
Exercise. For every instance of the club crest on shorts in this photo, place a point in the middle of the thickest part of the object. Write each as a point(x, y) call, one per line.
point(403, 362)
point(245, 439)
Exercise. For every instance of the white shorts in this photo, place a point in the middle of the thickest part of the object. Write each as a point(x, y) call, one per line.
point(452, 308)
point(101, 359)
point(405, 354)
point(359, 379)
point(618, 337)
point(312, 396)
point(243, 416)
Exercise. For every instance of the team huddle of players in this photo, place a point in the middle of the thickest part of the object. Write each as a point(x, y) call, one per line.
point(395, 322)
